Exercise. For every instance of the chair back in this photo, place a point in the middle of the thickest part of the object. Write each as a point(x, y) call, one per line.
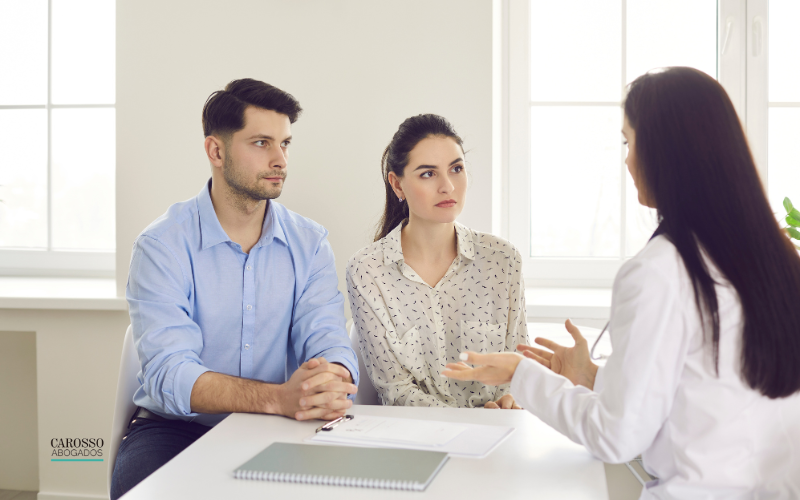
point(127, 385)
point(367, 395)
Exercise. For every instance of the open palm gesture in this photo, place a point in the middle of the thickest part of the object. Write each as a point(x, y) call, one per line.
point(574, 363)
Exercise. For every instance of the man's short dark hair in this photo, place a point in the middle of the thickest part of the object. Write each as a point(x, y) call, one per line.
point(223, 113)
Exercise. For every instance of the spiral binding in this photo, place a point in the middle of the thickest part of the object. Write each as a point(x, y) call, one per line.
point(329, 480)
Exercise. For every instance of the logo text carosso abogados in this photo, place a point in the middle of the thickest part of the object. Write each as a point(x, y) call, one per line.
point(77, 447)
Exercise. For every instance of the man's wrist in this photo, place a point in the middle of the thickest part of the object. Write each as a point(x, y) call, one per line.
point(272, 399)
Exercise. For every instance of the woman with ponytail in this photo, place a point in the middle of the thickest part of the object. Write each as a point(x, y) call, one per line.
point(428, 287)
point(704, 378)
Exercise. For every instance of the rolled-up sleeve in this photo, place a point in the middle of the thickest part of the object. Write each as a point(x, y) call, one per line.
point(167, 340)
point(318, 325)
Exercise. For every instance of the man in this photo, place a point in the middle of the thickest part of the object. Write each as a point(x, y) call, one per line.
point(233, 298)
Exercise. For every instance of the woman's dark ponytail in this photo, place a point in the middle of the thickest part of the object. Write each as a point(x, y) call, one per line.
point(395, 159)
point(395, 211)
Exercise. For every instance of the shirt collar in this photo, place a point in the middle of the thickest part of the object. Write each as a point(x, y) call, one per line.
point(393, 248)
point(466, 245)
point(272, 229)
point(211, 232)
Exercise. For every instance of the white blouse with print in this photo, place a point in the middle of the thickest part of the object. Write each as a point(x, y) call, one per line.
point(408, 331)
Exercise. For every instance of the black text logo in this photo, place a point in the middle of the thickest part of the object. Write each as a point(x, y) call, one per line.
point(78, 447)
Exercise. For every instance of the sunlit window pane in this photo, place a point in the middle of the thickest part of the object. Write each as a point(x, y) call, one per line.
point(784, 157)
point(575, 181)
point(784, 51)
point(83, 179)
point(23, 178)
point(83, 51)
point(575, 50)
point(23, 52)
point(671, 33)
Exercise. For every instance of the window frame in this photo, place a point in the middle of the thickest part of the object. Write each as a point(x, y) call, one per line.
point(50, 261)
point(742, 73)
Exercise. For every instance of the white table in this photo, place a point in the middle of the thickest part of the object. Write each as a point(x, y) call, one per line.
point(534, 462)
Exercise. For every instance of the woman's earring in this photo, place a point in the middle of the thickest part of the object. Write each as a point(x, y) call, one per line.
point(400, 199)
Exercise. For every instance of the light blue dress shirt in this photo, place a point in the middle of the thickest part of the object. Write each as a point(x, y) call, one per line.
point(198, 303)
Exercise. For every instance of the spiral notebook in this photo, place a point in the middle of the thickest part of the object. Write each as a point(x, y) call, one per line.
point(395, 469)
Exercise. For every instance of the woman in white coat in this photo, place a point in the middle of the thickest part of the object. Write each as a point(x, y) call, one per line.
point(704, 376)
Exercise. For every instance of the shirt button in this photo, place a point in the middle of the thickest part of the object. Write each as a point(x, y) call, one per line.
point(246, 347)
point(249, 268)
point(249, 307)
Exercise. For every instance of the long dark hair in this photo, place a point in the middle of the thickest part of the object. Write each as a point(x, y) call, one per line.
point(395, 159)
point(696, 165)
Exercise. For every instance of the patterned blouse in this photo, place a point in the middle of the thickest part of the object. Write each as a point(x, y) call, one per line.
point(408, 331)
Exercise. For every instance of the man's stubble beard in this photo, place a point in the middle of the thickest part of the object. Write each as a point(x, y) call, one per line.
point(238, 183)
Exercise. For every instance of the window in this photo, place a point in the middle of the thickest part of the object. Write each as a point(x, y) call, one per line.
point(576, 217)
point(783, 152)
point(57, 131)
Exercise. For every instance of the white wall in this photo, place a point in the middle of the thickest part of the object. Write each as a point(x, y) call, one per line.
point(358, 68)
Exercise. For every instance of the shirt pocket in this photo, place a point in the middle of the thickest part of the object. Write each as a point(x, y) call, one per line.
point(407, 348)
point(483, 337)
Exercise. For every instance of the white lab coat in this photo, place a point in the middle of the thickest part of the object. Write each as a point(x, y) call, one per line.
point(704, 436)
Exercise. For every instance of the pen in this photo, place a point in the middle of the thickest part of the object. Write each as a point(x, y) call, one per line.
point(333, 423)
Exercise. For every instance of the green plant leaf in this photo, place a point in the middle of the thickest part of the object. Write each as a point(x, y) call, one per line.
point(792, 222)
point(794, 233)
point(787, 204)
point(794, 214)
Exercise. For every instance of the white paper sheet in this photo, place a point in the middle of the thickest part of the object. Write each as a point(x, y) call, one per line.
point(457, 439)
point(386, 431)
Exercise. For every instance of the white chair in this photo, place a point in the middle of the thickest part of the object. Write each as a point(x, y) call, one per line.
point(367, 395)
point(127, 384)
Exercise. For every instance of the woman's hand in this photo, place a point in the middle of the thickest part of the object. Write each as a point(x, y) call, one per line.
point(490, 369)
point(506, 402)
point(573, 363)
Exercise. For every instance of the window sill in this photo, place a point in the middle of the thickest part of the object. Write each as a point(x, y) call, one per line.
point(576, 303)
point(98, 294)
